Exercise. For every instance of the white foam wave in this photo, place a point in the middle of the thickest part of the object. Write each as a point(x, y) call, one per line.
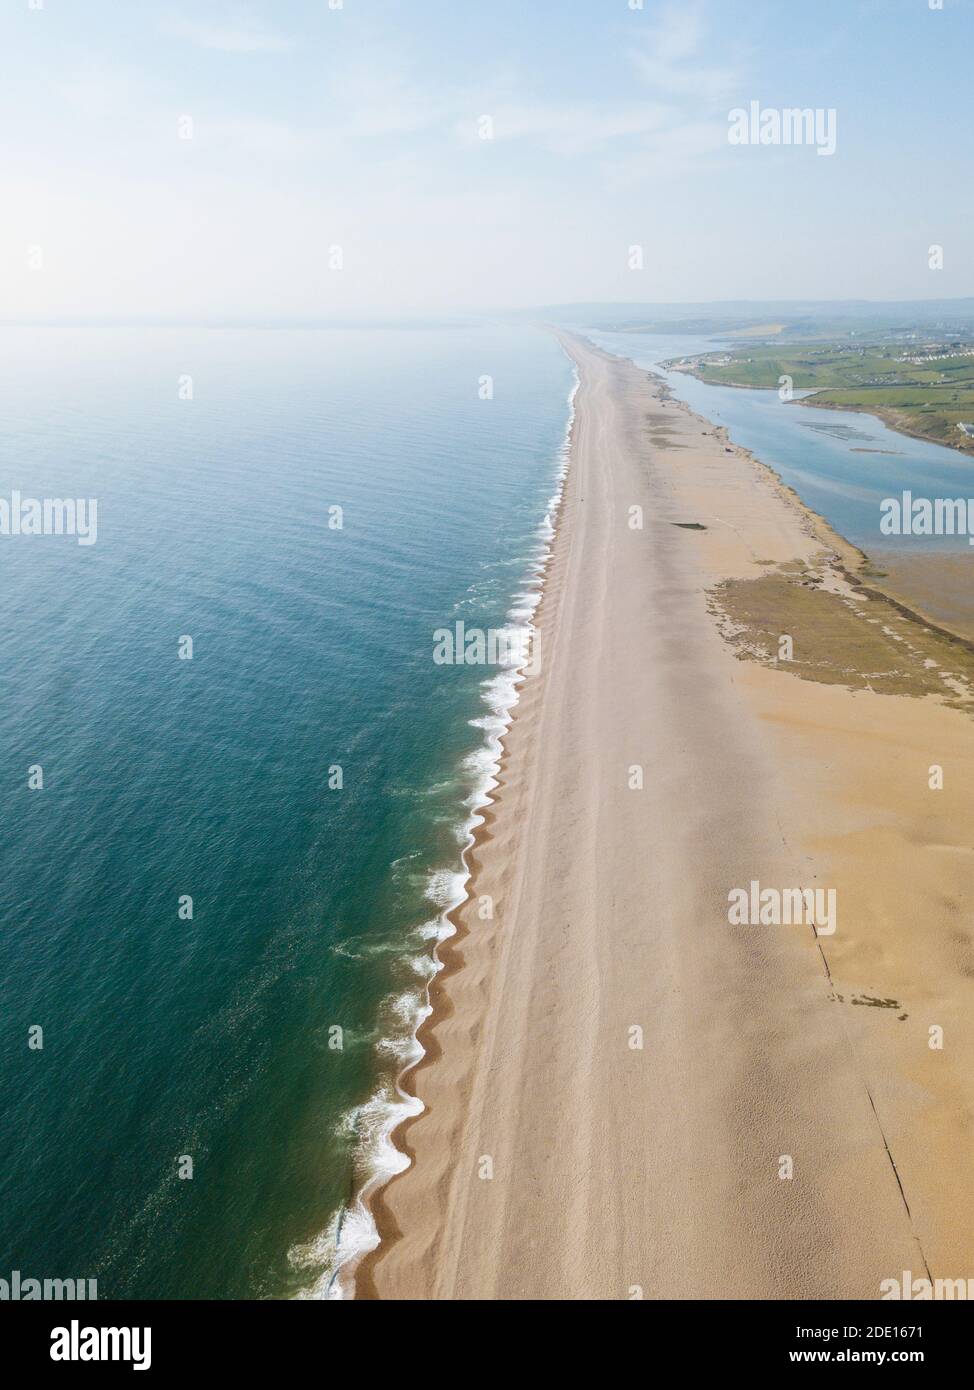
point(352, 1233)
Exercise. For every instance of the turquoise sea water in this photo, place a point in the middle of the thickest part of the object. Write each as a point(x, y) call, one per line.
point(841, 463)
point(314, 907)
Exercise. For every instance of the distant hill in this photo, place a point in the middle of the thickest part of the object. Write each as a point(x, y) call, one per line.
point(787, 320)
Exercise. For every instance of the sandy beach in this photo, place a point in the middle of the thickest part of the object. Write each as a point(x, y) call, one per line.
point(626, 1094)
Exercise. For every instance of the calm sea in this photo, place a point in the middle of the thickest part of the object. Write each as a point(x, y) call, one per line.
point(305, 778)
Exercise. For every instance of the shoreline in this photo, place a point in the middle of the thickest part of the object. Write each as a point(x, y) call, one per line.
point(853, 559)
point(853, 562)
point(904, 603)
point(426, 1215)
point(449, 957)
point(357, 1281)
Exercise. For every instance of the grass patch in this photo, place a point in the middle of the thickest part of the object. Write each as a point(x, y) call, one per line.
point(862, 643)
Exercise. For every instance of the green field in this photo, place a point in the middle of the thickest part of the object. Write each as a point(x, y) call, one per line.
point(929, 397)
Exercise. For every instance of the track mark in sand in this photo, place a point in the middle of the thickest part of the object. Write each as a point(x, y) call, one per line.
point(896, 1175)
point(743, 540)
point(872, 1106)
point(875, 1003)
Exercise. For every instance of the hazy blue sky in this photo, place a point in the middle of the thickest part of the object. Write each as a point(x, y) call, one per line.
point(358, 127)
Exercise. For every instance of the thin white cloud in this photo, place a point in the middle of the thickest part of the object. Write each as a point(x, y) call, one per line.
point(668, 153)
point(255, 137)
point(570, 128)
point(239, 36)
point(383, 99)
point(675, 128)
point(669, 60)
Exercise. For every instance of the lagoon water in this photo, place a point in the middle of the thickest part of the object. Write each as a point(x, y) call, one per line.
point(841, 463)
point(314, 907)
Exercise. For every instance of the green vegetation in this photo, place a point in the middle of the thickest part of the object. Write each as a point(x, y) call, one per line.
point(859, 639)
point(922, 389)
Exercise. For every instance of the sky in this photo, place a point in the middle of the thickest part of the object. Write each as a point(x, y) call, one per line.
point(325, 159)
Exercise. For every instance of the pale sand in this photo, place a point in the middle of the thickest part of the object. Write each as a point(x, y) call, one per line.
point(659, 1167)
